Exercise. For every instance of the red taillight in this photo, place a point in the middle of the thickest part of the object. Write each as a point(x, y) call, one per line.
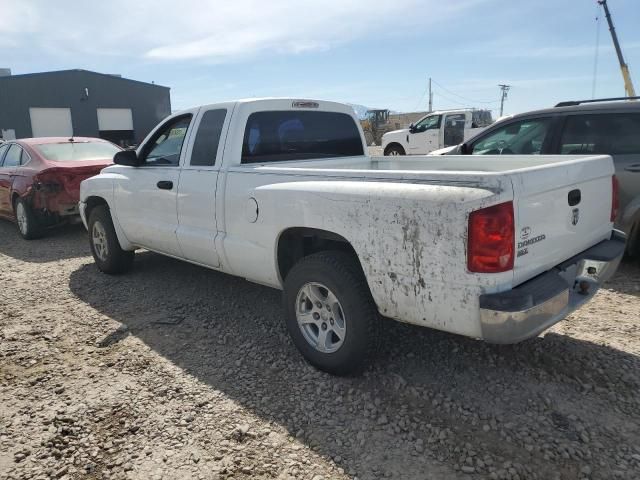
point(615, 201)
point(491, 239)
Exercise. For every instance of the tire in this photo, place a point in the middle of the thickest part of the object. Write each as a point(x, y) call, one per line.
point(394, 150)
point(107, 254)
point(28, 225)
point(349, 328)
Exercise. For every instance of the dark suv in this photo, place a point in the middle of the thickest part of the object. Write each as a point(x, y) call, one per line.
point(610, 126)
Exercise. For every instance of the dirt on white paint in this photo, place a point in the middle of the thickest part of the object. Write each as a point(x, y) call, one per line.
point(176, 372)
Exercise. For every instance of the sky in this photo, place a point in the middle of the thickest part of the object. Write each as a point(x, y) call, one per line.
point(374, 53)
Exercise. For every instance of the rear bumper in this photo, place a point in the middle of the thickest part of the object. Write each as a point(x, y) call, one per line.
point(534, 306)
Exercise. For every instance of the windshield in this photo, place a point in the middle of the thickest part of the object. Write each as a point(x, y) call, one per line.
point(77, 151)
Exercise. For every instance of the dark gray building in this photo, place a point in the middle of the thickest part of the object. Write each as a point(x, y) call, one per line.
point(80, 103)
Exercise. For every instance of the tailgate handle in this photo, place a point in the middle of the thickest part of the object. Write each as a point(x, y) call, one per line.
point(574, 197)
point(165, 184)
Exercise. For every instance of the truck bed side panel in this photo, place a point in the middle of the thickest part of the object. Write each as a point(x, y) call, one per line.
point(410, 239)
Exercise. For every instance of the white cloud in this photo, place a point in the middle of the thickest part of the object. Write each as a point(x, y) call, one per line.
point(212, 30)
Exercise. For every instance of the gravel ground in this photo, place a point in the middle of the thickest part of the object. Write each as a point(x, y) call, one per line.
point(176, 372)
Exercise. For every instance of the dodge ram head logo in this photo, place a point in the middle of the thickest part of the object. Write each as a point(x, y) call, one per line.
point(576, 216)
point(525, 232)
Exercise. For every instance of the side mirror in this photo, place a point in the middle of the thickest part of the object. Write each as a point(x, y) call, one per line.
point(463, 149)
point(126, 157)
point(412, 128)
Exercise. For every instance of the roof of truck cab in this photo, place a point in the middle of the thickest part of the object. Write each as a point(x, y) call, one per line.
point(323, 104)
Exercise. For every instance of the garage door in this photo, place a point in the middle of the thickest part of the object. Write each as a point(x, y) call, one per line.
point(115, 119)
point(51, 122)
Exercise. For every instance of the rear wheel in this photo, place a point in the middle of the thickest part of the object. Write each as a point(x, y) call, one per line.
point(106, 250)
point(26, 220)
point(394, 150)
point(331, 316)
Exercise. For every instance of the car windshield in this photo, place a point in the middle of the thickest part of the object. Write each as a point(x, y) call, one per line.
point(77, 151)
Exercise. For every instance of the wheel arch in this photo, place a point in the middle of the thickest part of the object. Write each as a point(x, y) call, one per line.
point(394, 144)
point(14, 197)
point(94, 201)
point(295, 243)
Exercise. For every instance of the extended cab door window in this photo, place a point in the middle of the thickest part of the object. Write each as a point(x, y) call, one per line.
point(525, 137)
point(165, 146)
point(205, 146)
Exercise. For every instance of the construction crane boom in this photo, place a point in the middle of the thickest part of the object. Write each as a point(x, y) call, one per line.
point(628, 84)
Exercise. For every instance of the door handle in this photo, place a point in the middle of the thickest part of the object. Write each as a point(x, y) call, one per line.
point(165, 184)
point(633, 168)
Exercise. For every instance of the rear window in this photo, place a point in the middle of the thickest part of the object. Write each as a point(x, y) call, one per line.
point(77, 151)
point(291, 135)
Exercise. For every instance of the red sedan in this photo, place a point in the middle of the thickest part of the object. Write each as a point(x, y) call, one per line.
point(40, 178)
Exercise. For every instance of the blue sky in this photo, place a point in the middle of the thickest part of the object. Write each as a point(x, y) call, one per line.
point(375, 53)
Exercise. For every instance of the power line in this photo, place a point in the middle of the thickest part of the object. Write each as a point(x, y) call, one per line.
point(421, 98)
point(449, 99)
point(463, 98)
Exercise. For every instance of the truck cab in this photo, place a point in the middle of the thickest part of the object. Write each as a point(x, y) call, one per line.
point(436, 130)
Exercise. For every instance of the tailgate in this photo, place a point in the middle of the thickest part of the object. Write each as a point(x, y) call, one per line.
point(561, 210)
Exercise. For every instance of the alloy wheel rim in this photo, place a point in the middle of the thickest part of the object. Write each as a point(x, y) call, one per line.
point(320, 317)
point(21, 218)
point(394, 153)
point(99, 239)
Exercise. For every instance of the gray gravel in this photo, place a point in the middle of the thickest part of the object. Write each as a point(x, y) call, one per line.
point(176, 372)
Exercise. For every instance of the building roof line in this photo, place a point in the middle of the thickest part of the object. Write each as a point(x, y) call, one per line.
point(81, 70)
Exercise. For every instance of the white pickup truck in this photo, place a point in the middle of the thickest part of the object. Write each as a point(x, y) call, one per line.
point(435, 131)
point(281, 192)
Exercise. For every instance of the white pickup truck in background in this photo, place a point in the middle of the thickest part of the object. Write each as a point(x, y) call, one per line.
point(436, 130)
point(281, 192)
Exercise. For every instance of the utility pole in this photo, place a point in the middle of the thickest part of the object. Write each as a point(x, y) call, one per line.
point(628, 84)
point(430, 97)
point(504, 89)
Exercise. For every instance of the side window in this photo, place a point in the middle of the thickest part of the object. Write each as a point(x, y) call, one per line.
point(298, 135)
point(165, 146)
point(24, 159)
point(428, 123)
point(12, 158)
point(205, 146)
point(3, 150)
point(517, 138)
point(613, 134)
point(580, 135)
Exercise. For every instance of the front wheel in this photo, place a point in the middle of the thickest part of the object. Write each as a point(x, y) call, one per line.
point(394, 151)
point(106, 250)
point(331, 316)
